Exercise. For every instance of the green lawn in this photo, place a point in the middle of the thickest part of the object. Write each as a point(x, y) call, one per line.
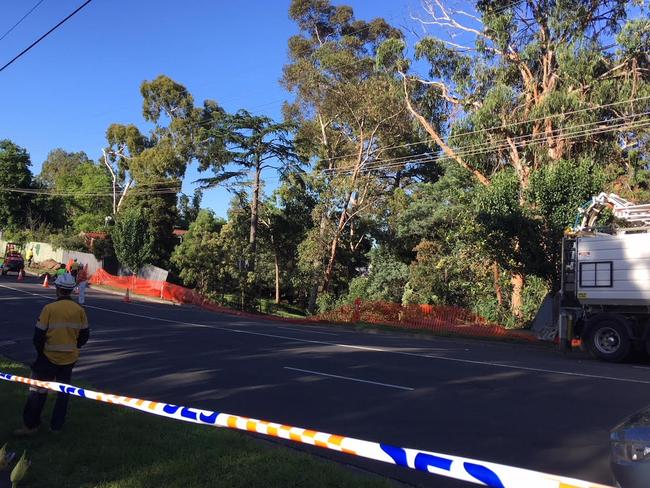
point(281, 309)
point(109, 446)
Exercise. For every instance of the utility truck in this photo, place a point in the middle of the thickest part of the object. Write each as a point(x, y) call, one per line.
point(604, 298)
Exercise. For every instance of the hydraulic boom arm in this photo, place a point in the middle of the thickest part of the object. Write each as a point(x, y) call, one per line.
point(621, 208)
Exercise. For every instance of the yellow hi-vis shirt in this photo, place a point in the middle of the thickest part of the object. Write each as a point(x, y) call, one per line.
point(62, 321)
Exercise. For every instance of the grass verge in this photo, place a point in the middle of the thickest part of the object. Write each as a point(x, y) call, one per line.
point(105, 446)
point(282, 309)
point(442, 333)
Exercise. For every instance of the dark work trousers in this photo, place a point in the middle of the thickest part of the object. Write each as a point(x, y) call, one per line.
point(45, 370)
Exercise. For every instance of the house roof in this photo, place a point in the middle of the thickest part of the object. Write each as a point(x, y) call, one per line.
point(95, 235)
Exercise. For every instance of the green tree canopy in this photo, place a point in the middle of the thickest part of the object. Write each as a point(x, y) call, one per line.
point(247, 145)
point(14, 174)
point(133, 240)
point(530, 85)
point(199, 258)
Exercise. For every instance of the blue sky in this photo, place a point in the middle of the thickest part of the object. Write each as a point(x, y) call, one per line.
point(86, 75)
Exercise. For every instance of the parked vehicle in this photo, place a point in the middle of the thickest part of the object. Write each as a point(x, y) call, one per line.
point(13, 261)
point(630, 450)
point(604, 298)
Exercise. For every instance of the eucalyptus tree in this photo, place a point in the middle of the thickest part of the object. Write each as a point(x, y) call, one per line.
point(352, 122)
point(147, 168)
point(533, 89)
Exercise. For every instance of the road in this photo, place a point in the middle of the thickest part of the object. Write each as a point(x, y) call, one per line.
point(520, 405)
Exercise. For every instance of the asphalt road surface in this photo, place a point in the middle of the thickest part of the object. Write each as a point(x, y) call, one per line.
point(520, 405)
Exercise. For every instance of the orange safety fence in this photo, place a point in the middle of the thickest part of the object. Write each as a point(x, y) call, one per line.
point(150, 288)
point(435, 318)
point(161, 289)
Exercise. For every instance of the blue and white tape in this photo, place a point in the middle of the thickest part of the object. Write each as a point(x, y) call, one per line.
point(470, 470)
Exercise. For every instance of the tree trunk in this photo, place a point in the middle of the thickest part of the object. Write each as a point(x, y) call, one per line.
point(254, 218)
point(437, 138)
point(497, 285)
point(517, 301)
point(332, 259)
point(313, 296)
point(313, 291)
point(335, 240)
point(342, 220)
point(276, 262)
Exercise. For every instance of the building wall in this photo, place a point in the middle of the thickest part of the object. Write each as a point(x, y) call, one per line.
point(44, 251)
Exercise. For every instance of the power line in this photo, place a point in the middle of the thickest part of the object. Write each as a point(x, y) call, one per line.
point(43, 36)
point(21, 19)
point(134, 191)
point(504, 145)
point(499, 144)
point(208, 123)
point(501, 127)
point(636, 125)
point(480, 149)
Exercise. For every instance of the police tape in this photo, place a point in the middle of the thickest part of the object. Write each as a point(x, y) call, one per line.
point(465, 469)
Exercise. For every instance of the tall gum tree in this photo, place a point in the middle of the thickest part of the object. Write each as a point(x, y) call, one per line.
point(349, 115)
point(529, 84)
point(147, 169)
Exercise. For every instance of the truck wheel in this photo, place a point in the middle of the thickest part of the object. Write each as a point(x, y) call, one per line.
point(609, 339)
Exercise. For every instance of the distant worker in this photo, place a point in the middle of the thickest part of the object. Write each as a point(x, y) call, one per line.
point(30, 257)
point(82, 283)
point(61, 330)
point(74, 268)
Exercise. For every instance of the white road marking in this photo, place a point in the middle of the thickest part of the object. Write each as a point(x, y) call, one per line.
point(365, 348)
point(306, 330)
point(7, 343)
point(350, 379)
point(15, 298)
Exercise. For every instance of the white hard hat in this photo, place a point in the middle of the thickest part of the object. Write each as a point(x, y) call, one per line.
point(65, 281)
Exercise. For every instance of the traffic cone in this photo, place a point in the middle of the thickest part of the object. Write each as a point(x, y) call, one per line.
point(127, 298)
point(21, 274)
point(46, 282)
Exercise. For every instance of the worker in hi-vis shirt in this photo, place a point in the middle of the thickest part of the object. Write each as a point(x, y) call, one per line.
point(61, 330)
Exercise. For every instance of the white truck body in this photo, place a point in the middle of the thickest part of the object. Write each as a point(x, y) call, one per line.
point(613, 269)
point(604, 298)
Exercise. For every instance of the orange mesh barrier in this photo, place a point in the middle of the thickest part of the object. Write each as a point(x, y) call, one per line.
point(140, 286)
point(158, 289)
point(435, 318)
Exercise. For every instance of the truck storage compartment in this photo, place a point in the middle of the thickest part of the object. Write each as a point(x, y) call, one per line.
point(613, 269)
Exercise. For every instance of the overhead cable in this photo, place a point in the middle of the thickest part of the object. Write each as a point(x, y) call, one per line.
point(21, 19)
point(491, 145)
point(502, 145)
point(24, 51)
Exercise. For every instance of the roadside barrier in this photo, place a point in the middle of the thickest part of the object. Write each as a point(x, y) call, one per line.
point(465, 469)
point(150, 288)
point(435, 318)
